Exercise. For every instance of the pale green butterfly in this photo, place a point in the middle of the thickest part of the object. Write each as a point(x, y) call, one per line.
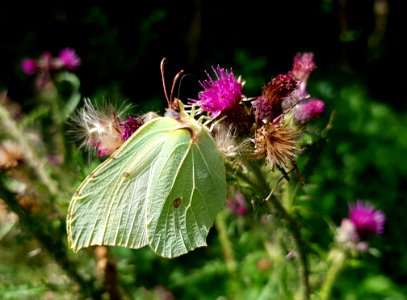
point(163, 188)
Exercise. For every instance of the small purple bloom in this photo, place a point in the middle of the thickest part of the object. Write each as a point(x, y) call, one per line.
point(263, 109)
point(220, 95)
point(129, 127)
point(97, 145)
point(268, 106)
point(303, 65)
point(309, 110)
point(366, 219)
point(29, 66)
point(69, 58)
point(238, 204)
point(281, 87)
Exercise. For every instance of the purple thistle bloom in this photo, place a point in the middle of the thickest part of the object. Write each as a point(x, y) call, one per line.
point(303, 65)
point(309, 110)
point(269, 106)
point(69, 58)
point(129, 127)
point(263, 109)
point(366, 219)
point(220, 95)
point(238, 204)
point(281, 87)
point(29, 66)
point(102, 151)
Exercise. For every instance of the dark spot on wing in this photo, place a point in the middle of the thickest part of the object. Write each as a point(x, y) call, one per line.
point(176, 203)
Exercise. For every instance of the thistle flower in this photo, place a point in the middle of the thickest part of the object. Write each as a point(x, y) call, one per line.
point(45, 63)
point(263, 109)
point(303, 65)
point(100, 129)
point(225, 139)
point(366, 219)
point(69, 58)
point(363, 220)
point(308, 110)
point(276, 143)
point(348, 237)
point(222, 95)
point(237, 204)
point(269, 106)
point(29, 66)
point(129, 127)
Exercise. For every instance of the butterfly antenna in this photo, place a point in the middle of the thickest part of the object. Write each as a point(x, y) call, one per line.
point(173, 85)
point(163, 80)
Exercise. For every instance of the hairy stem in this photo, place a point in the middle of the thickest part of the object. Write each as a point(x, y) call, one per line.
point(299, 245)
point(335, 268)
point(257, 182)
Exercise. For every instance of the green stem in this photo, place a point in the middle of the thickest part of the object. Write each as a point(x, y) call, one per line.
point(258, 174)
point(299, 245)
point(225, 243)
point(259, 185)
point(59, 139)
point(336, 267)
point(10, 127)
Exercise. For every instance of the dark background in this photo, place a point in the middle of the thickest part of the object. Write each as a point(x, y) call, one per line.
point(121, 45)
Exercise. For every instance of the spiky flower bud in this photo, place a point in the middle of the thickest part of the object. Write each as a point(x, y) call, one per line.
point(269, 106)
point(277, 144)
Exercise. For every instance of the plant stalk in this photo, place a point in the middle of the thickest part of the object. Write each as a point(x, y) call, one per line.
point(225, 243)
point(336, 267)
point(299, 245)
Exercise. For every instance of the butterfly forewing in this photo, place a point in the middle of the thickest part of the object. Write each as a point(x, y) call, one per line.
point(109, 207)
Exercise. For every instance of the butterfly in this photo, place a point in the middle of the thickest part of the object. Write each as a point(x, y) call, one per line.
point(161, 188)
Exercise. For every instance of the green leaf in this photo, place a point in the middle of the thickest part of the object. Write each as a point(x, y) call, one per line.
point(74, 96)
point(163, 188)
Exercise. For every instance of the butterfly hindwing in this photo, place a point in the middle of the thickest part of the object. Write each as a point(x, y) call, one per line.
point(191, 196)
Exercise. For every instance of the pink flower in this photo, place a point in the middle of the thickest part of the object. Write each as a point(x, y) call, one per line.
point(69, 58)
point(303, 65)
point(220, 95)
point(348, 237)
point(29, 66)
point(129, 127)
point(263, 109)
point(45, 62)
point(269, 105)
point(237, 204)
point(309, 110)
point(366, 219)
